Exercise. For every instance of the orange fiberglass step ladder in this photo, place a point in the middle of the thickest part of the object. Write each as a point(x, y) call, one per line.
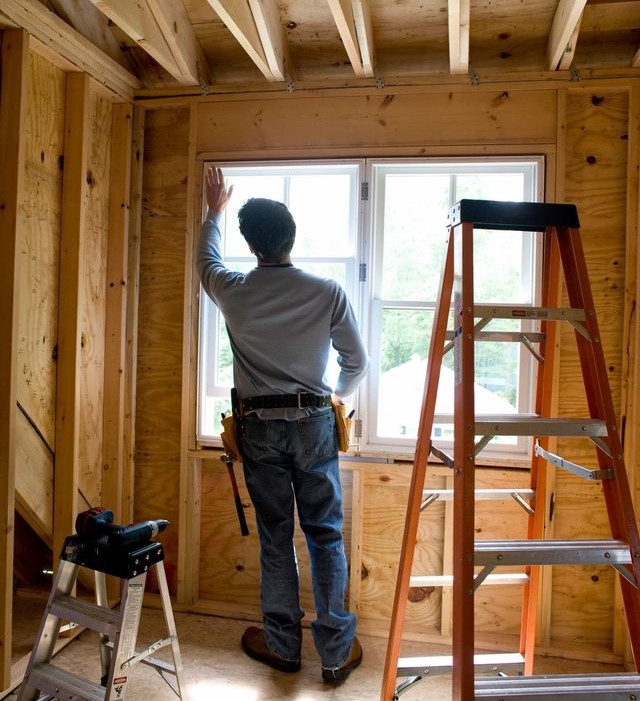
point(474, 561)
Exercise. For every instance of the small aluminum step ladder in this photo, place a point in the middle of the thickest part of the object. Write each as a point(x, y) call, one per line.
point(118, 629)
point(478, 676)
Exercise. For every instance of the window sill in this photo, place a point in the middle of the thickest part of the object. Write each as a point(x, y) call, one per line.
point(211, 451)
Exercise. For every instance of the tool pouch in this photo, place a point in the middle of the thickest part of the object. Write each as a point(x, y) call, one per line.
point(229, 436)
point(343, 425)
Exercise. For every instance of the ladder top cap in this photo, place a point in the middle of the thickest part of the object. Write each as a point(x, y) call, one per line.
point(513, 216)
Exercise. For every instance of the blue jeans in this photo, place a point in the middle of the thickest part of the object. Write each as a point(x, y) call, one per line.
point(287, 461)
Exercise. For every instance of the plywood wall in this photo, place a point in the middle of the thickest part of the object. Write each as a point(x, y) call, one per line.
point(582, 132)
point(160, 330)
point(597, 130)
point(60, 229)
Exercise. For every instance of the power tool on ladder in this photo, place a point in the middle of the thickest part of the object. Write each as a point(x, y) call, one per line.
point(129, 553)
point(478, 676)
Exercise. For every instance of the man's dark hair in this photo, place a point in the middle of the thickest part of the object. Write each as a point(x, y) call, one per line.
point(268, 228)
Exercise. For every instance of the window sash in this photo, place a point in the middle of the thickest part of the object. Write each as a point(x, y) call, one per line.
point(280, 178)
point(378, 410)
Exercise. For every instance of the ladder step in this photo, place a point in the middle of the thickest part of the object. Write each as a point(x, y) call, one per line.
point(446, 580)
point(533, 425)
point(507, 311)
point(609, 686)
point(65, 685)
point(484, 663)
point(552, 552)
point(481, 494)
point(85, 613)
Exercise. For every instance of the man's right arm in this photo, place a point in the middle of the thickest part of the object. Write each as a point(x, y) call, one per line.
point(209, 262)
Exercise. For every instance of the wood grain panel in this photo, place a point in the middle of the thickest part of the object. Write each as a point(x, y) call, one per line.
point(40, 246)
point(160, 323)
point(596, 181)
point(34, 479)
point(92, 314)
point(377, 120)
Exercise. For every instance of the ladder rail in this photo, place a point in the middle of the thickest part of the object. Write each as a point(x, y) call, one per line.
point(423, 447)
point(463, 643)
point(617, 493)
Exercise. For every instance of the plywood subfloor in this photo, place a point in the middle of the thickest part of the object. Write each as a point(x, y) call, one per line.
point(216, 668)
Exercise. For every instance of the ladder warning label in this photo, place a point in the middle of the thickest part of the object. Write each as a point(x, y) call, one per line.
point(457, 362)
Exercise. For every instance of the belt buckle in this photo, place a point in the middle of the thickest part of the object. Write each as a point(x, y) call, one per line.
point(299, 395)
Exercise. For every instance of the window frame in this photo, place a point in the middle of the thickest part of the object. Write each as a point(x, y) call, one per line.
point(363, 290)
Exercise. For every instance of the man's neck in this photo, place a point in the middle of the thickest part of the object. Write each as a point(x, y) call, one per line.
point(267, 264)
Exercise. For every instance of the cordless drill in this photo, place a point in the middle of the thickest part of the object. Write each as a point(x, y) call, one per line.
point(97, 524)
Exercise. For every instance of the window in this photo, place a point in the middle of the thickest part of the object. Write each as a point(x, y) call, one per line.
point(378, 226)
point(410, 202)
point(323, 199)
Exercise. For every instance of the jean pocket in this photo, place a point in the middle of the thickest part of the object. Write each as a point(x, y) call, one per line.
point(254, 440)
point(318, 436)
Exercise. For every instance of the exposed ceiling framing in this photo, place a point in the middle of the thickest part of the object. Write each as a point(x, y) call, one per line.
point(170, 43)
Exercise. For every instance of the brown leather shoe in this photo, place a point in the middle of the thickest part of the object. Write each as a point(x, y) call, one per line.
point(255, 645)
point(336, 675)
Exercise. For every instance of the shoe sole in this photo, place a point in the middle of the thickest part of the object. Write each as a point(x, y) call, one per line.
point(335, 676)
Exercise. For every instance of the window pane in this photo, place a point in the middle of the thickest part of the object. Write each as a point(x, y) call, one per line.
point(320, 205)
point(504, 187)
point(497, 250)
point(404, 344)
point(224, 366)
point(403, 366)
point(415, 218)
point(497, 266)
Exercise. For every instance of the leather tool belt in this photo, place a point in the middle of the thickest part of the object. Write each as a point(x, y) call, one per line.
point(302, 400)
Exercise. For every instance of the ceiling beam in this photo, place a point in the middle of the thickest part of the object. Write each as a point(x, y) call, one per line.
point(176, 27)
point(459, 14)
point(364, 30)
point(163, 30)
point(564, 32)
point(274, 43)
point(238, 17)
point(570, 50)
point(353, 22)
point(92, 24)
point(55, 34)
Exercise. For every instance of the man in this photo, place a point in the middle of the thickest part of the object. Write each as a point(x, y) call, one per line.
point(281, 323)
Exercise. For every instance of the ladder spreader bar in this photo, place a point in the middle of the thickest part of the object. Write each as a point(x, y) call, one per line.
point(573, 467)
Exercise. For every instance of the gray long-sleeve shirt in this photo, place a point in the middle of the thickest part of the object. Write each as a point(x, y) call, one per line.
point(281, 323)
